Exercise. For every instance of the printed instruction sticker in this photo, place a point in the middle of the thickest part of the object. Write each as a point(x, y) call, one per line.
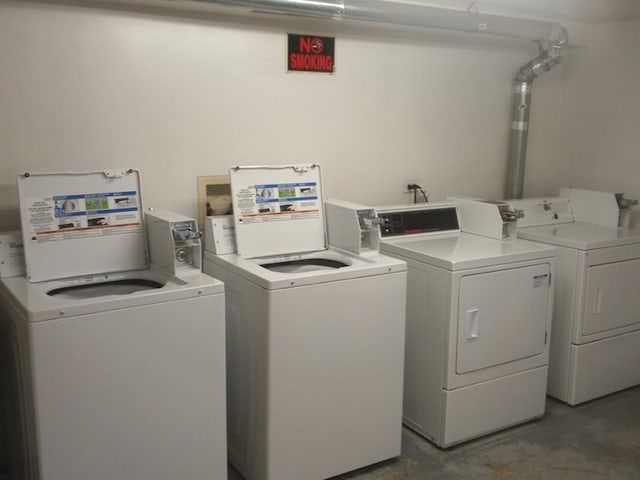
point(66, 217)
point(278, 202)
point(541, 280)
point(11, 254)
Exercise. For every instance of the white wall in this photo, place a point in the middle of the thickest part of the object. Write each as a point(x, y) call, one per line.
point(603, 110)
point(184, 96)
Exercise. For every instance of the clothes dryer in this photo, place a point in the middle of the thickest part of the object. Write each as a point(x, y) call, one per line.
point(315, 335)
point(595, 342)
point(478, 319)
point(116, 368)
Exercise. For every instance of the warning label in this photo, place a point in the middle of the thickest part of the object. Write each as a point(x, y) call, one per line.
point(308, 53)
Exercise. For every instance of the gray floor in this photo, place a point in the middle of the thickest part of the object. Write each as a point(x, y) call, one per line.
point(599, 440)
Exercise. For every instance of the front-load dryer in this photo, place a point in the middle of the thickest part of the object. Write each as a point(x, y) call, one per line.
point(116, 369)
point(315, 336)
point(478, 319)
point(595, 342)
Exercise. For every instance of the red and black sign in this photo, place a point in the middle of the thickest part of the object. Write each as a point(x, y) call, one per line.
point(309, 53)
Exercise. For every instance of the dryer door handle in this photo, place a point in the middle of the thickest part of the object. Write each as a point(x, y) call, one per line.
point(597, 306)
point(473, 316)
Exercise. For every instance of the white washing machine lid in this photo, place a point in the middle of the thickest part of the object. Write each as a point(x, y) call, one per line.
point(581, 236)
point(277, 210)
point(81, 223)
point(462, 251)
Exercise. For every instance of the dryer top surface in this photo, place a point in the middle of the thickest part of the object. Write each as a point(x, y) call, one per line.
point(460, 251)
point(581, 236)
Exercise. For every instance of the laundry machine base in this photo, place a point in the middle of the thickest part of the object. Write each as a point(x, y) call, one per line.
point(602, 367)
point(476, 410)
point(314, 375)
point(128, 393)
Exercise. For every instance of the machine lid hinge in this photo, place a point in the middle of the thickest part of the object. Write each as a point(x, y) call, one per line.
point(546, 335)
point(117, 173)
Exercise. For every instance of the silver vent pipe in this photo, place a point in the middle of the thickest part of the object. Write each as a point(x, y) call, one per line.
point(552, 40)
point(551, 54)
point(381, 11)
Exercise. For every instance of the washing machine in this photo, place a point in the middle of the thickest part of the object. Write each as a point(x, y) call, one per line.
point(595, 343)
point(478, 322)
point(315, 335)
point(115, 367)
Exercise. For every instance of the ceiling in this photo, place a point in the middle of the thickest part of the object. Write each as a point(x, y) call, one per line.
point(581, 11)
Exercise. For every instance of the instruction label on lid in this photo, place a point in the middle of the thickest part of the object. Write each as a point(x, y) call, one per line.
point(275, 202)
point(81, 223)
point(277, 209)
point(73, 216)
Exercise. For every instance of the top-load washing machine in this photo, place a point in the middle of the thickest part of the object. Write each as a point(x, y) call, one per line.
point(315, 335)
point(478, 319)
point(595, 344)
point(115, 368)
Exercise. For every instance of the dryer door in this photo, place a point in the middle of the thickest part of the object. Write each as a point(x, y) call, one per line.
point(611, 301)
point(502, 317)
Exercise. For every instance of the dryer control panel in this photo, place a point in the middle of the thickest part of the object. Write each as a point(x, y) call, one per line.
point(415, 219)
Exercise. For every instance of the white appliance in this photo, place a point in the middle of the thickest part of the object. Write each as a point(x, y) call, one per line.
point(595, 342)
point(478, 317)
point(114, 368)
point(315, 336)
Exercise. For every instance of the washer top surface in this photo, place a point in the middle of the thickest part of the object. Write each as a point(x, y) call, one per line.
point(462, 251)
point(36, 303)
point(300, 274)
point(581, 236)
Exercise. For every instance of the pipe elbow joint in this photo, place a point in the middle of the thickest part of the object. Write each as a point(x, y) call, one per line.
point(551, 54)
point(557, 45)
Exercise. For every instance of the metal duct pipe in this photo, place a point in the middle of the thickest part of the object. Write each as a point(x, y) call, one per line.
point(381, 11)
point(552, 39)
point(550, 56)
point(518, 140)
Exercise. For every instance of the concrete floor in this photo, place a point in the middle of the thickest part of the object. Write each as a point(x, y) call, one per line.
point(599, 440)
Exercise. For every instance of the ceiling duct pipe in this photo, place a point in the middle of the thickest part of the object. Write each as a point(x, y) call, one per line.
point(381, 11)
point(552, 40)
